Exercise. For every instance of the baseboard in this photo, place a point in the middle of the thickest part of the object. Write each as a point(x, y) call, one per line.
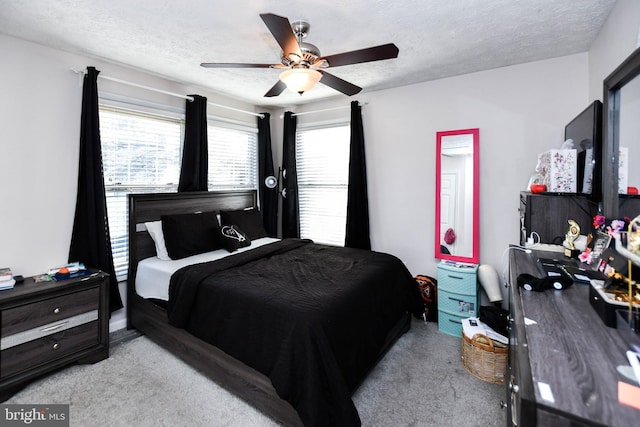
point(117, 324)
point(123, 335)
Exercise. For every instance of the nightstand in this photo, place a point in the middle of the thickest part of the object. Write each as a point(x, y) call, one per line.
point(47, 325)
point(458, 296)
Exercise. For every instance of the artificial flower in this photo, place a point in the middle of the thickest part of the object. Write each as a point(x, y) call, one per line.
point(615, 228)
point(586, 256)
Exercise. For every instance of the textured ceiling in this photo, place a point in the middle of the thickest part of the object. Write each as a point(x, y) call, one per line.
point(436, 38)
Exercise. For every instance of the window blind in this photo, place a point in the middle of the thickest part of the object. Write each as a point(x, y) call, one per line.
point(322, 162)
point(233, 158)
point(139, 153)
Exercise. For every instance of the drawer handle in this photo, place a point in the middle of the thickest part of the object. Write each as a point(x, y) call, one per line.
point(455, 321)
point(54, 327)
point(455, 277)
point(56, 310)
point(455, 299)
point(55, 346)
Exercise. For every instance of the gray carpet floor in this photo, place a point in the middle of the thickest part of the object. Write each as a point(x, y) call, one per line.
point(420, 382)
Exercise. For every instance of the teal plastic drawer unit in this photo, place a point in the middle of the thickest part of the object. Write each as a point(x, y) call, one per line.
point(458, 296)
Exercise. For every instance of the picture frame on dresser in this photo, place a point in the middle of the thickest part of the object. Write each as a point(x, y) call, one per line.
point(602, 242)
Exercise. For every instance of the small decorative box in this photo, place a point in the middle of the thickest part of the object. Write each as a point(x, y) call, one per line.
point(559, 170)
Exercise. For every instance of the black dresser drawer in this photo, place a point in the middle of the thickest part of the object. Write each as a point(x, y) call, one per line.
point(45, 326)
point(47, 349)
point(50, 310)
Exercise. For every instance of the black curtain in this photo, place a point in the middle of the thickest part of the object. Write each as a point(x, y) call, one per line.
point(268, 196)
point(195, 154)
point(90, 239)
point(357, 233)
point(290, 208)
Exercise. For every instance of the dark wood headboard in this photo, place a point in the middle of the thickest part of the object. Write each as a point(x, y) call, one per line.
point(150, 207)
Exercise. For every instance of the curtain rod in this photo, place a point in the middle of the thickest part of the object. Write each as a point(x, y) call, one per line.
point(178, 95)
point(237, 109)
point(321, 111)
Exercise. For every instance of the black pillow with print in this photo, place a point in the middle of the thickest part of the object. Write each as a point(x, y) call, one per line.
point(248, 220)
point(231, 238)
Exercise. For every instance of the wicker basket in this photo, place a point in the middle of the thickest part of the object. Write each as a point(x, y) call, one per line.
point(485, 358)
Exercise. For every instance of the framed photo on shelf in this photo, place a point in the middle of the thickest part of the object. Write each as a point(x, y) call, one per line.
point(602, 242)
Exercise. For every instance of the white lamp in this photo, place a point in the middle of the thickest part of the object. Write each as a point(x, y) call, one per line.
point(300, 79)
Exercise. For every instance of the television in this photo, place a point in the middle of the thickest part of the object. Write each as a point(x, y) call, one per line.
point(586, 132)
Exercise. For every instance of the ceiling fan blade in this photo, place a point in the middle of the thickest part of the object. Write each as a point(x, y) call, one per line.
point(376, 53)
point(233, 65)
point(280, 28)
point(276, 89)
point(338, 84)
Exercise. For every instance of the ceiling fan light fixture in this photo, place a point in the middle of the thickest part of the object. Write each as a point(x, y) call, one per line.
point(300, 79)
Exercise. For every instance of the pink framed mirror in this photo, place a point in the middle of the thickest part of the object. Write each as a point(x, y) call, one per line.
point(457, 195)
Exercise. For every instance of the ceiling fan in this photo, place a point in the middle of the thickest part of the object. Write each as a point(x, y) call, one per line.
point(302, 63)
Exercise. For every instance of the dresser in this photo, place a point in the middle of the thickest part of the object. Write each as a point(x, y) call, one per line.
point(458, 296)
point(562, 357)
point(47, 325)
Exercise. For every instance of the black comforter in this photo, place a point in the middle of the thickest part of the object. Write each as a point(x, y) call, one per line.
point(313, 318)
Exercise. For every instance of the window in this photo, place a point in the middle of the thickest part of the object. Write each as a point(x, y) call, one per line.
point(139, 153)
point(322, 161)
point(233, 158)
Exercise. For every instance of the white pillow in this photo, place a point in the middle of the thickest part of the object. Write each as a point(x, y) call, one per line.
point(155, 230)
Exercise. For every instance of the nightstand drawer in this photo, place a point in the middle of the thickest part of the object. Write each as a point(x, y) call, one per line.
point(459, 282)
point(457, 304)
point(30, 316)
point(34, 353)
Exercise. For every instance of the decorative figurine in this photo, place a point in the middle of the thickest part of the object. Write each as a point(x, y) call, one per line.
point(569, 243)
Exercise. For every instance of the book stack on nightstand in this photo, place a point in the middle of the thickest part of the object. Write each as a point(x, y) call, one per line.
point(6, 279)
point(458, 296)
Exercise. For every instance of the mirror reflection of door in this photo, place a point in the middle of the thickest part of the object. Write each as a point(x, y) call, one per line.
point(448, 195)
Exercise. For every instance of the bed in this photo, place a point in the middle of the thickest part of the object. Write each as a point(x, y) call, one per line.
point(302, 375)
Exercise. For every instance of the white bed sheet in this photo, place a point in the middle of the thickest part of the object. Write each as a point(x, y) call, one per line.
point(154, 274)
